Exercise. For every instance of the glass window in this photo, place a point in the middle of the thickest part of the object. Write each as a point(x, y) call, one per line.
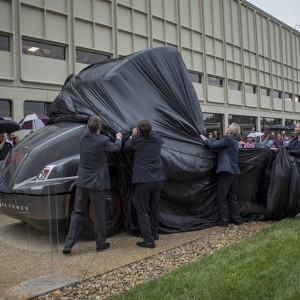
point(289, 122)
point(36, 107)
point(213, 122)
point(250, 88)
point(195, 77)
point(234, 85)
point(297, 98)
point(4, 43)
point(267, 122)
point(264, 91)
point(86, 57)
point(276, 94)
point(5, 108)
point(287, 96)
point(43, 50)
point(215, 81)
point(247, 123)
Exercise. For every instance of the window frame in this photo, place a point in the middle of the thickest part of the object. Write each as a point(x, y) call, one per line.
point(195, 77)
point(239, 85)
point(264, 89)
point(10, 106)
point(45, 111)
point(8, 49)
point(212, 81)
point(250, 88)
point(33, 44)
point(105, 56)
point(279, 94)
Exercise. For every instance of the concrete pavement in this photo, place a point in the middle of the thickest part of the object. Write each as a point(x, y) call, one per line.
point(30, 265)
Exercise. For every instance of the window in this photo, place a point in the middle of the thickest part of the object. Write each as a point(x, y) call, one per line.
point(215, 81)
point(287, 96)
point(86, 57)
point(297, 98)
point(5, 108)
point(195, 77)
point(37, 107)
point(270, 121)
point(234, 85)
point(247, 123)
point(4, 43)
point(250, 88)
point(264, 91)
point(276, 94)
point(267, 122)
point(213, 122)
point(43, 50)
point(289, 122)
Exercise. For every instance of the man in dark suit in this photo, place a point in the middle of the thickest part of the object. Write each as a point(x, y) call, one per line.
point(5, 146)
point(227, 171)
point(148, 176)
point(93, 180)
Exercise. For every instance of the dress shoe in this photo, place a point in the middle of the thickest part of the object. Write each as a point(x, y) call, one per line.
point(66, 250)
point(223, 224)
point(105, 246)
point(145, 245)
point(238, 222)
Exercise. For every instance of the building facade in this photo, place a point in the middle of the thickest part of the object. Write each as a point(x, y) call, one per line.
point(245, 64)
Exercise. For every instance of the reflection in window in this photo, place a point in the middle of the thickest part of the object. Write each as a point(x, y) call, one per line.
point(234, 85)
point(266, 122)
point(43, 50)
point(5, 108)
point(37, 107)
point(276, 94)
point(264, 91)
point(4, 43)
point(287, 96)
point(195, 77)
point(289, 122)
point(250, 88)
point(85, 57)
point(215, 81)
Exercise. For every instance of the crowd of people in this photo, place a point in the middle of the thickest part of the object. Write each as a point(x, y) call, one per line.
point(271, 140)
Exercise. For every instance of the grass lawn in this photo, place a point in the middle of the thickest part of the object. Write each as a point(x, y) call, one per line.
point(264, 266)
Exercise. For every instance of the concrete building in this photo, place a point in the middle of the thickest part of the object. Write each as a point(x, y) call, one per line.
point(244, 63)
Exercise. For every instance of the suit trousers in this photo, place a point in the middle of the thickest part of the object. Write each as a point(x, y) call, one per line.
point(80, 213)
point(226, 197)
point(146, 202)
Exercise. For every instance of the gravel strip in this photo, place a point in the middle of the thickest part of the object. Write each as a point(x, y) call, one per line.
point(125, 278)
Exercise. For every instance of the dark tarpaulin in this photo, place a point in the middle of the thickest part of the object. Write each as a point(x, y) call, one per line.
point(283, 194)
point(252, 185)
point(154, 84)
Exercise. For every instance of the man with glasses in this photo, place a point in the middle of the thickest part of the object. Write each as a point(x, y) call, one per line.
point(227, 171)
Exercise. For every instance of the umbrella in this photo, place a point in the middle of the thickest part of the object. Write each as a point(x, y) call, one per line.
point(255, 134)
point(33, 121)
point(8, 126)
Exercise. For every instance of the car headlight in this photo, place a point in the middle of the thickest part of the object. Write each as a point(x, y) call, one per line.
point(45, 172)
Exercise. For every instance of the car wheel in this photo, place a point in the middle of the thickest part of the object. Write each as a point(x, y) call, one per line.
point(113, 216)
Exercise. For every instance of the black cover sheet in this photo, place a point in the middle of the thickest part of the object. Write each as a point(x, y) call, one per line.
point(154, 84)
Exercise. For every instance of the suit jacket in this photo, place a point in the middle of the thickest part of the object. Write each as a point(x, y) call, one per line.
point(228, 155)
point(93, 170)
point(148, 165)
point(4, 151)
